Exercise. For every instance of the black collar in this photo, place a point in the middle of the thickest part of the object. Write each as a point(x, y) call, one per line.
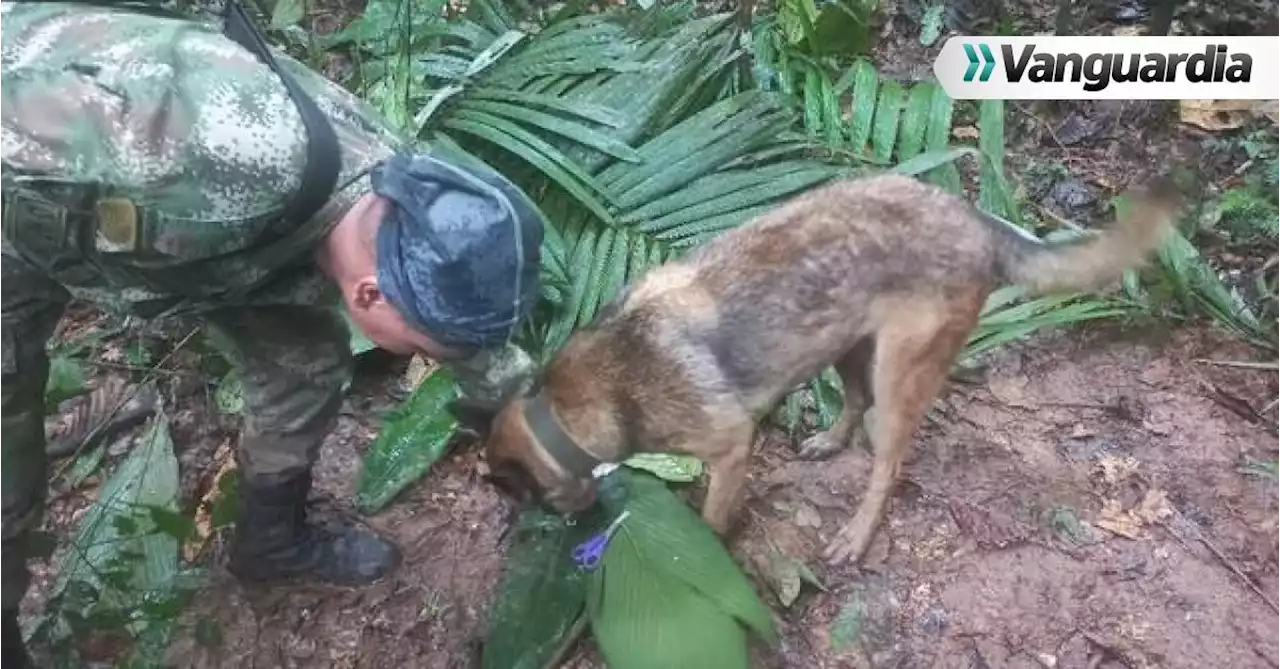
point(560, 446)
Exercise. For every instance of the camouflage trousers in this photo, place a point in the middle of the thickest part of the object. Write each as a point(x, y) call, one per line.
point(294, 363)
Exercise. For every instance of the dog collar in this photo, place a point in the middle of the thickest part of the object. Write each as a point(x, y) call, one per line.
point(560, 446)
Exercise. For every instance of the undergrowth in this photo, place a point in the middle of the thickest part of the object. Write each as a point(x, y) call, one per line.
point(641, 132)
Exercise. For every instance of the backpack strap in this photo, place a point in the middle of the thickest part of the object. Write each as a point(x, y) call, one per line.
point(323, 153)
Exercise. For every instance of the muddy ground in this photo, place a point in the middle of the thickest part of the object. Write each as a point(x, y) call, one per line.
point(1080, 500)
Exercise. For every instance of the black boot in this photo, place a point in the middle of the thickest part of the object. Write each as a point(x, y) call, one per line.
point(273, 541)
point(15, 651)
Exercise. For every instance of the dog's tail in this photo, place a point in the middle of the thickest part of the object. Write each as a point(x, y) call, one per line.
point(1090, 261)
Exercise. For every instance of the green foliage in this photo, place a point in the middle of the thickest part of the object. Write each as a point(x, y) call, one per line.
point(412, 438)
point(667, 466)
point(120, 574)
point(667, 594)
point(542, 594)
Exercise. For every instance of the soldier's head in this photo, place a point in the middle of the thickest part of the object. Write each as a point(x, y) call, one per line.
point(440, 258)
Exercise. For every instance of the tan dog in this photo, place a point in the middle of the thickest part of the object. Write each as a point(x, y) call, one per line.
point(882, 277)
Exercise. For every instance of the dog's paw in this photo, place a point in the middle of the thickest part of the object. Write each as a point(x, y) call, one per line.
point(849, 545)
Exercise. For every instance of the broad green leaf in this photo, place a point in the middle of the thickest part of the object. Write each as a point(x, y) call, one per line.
point(915, 119)
point(541, 594)
point(992, 196)
point(884, 133)
point(287, 13)
point(413, 436)
point(66, 380)
point(667, 466)
point(842, 28)
point(85, 465)
point(646, 619)
point(796, 18)
point(938, 138)
point(115, 547)
point(866, 88)
point(670, 538)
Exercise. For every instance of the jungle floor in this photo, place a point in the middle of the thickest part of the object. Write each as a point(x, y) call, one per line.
point(1081, 499)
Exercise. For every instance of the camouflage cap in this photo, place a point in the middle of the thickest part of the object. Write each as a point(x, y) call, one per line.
point(458, 249)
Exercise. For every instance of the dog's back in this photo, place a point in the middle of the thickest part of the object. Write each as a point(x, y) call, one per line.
point(744, 318)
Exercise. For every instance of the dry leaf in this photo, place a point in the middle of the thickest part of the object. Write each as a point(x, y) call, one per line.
point(965, 132)
point(1117, 521)
point(1153, 508)
point(1116, 470)
point(204, 511)
point(807, 516)
point(1215, 115)
point(1011, 391)
point(418, 369)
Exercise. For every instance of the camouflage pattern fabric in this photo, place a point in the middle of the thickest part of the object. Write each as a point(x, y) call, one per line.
point(201, 143)
point(193, 130)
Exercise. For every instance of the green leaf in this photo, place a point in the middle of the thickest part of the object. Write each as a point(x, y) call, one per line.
point(66, 380)
point(931, 24)
point(992, 196)
point(670, 539)
point(109, 532)
point(537, 152)
point(570, 129)
point(933, 160)
point(541, 595)
point(229, 395)
point(667, 466)
point(85, 465)
point(915, 120)
point(287, 13)
point(884, 133)
point(413, 436)
point(866, 85)
point(938, 138)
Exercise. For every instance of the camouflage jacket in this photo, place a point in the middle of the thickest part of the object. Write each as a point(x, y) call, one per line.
point(192, 129)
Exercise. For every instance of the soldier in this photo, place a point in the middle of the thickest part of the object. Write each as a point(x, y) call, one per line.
point(163, 166)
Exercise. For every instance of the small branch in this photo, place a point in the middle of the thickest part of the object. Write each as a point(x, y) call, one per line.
point(1241, 364)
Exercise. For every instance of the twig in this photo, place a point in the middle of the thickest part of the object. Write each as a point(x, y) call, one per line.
point(124, 399)
point(136, 368)
point(1226, 562)
point(1074, 227)
point(1242, 364)
point(567, 642)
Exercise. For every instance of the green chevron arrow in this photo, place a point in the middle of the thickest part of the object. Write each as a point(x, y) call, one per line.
point(988, 62)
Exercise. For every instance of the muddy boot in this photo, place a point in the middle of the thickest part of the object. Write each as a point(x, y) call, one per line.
point(15, 652)
point(274, 542)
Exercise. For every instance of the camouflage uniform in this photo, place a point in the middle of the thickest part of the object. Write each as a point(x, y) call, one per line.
point(201, 139)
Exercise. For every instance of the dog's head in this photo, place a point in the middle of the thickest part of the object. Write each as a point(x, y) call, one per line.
point(523, 469)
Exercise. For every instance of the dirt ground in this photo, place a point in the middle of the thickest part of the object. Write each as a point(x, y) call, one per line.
point(1078, 501)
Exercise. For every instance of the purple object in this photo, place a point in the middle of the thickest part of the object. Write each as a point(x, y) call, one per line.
point(589, 553)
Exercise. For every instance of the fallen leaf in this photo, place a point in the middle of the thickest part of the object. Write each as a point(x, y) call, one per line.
point(807, 516)
point(204, 511)
point(417, 370)
point(1011, 391)
point(1215, 115)
point(1153, 508)
point(1114, 519)
point(1116, 469)
point(965, 132)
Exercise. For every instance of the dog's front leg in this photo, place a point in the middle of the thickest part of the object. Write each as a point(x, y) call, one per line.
point(727, 465)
